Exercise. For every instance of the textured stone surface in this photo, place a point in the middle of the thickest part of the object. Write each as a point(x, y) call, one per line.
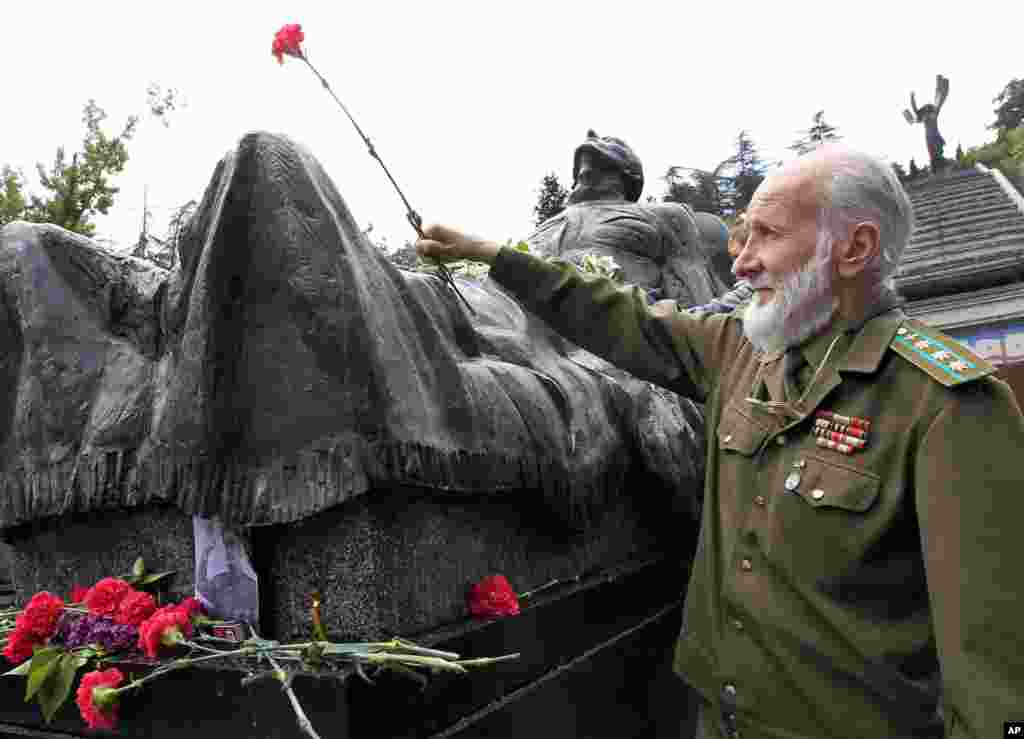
point(399, 563)
point(58, 554)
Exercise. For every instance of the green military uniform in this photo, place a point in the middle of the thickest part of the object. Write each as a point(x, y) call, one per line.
point(861, 549)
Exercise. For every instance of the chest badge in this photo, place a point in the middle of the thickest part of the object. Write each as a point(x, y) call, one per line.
point(844, 434)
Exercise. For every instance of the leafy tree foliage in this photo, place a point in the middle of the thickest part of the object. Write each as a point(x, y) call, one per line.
point(1006, 153)
point(1010, 106)
point(78, 189)
point(551, 197)
point(12, 198)
point(816, 135)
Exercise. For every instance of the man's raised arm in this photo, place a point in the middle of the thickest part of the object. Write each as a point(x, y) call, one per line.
point(677, 351)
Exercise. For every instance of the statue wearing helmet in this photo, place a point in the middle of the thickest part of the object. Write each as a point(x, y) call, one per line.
point(657, 245)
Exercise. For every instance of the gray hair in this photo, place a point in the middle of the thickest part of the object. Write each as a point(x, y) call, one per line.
point(864, 188)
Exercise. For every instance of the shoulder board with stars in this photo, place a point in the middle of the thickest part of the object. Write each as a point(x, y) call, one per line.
point(941, 357)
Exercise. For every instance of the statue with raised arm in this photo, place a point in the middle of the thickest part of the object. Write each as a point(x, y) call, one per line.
point(929, 116)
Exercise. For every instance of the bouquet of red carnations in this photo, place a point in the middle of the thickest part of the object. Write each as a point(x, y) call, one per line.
point(118, 621)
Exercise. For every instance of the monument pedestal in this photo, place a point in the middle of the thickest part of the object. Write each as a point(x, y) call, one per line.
point(388, 563)
point(56, 554)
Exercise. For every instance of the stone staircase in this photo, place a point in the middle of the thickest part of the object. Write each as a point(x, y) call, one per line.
point(969, 235)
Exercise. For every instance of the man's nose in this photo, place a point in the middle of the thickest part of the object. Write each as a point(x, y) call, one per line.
point(746, 264)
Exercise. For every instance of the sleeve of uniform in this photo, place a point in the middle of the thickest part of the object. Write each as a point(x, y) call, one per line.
point(673, 349)
point(969, 492)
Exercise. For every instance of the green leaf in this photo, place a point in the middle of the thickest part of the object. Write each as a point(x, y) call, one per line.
point(55, 691)
point(139, 568)
point(156, 577)
point(44, 661)
point(21, 669)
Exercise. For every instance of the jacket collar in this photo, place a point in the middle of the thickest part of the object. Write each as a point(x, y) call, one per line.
point(867, 341)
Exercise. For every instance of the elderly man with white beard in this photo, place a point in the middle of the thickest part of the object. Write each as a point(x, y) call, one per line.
point(856, 572)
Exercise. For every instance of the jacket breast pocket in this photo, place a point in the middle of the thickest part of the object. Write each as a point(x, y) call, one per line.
point(739, 432)
point(823, 526)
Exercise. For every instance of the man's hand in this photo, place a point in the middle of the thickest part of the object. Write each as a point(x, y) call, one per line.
point(447, 244)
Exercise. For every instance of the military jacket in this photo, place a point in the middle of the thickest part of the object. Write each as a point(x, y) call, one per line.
point(844, 583)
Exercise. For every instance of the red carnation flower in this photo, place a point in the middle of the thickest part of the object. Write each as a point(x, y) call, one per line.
point(192, 607)
point(493, 596)
point(20, 645)
point(288, 41)
point(166, 627)
point(40, 616)
point(135, 608)
point(78, 594)
point(97, 698)
point(105, 596)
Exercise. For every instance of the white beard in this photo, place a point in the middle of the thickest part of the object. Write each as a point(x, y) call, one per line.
point(801, 306)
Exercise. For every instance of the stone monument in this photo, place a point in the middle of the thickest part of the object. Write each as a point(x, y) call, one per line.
point(375, 442)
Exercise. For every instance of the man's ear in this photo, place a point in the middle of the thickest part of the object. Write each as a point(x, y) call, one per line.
point(860, 250)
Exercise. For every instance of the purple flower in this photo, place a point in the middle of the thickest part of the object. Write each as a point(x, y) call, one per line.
point(82, 630)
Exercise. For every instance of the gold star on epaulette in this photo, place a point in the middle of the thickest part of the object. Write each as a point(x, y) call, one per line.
point(940, 356)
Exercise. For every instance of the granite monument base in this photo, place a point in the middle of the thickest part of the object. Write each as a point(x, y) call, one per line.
point(401, 561)
point(59, 553)
point(396, 561)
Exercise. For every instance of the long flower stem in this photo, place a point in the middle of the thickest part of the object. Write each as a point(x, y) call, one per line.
point(305, 725)
point(411, 215)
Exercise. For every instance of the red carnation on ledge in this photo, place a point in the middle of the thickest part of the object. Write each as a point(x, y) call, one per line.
point(40, 616)
point(20, 646)
point(105, 596)
point(97, 698)
point(192, 607)
point(78, 594)
point(493, 596)
point(288, 41)
point(135, 608)
point(165, 628)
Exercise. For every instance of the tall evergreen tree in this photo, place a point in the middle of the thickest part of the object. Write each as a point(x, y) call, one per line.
point(816, 135)
point(749, 173)
point(551, 197)
point(81, 188)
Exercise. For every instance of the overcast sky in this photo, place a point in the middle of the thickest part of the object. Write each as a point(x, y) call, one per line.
point(471, 103)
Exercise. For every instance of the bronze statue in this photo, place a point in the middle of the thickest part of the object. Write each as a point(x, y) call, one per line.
point(286, 365)
point(929, 116)
point(658, 245)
